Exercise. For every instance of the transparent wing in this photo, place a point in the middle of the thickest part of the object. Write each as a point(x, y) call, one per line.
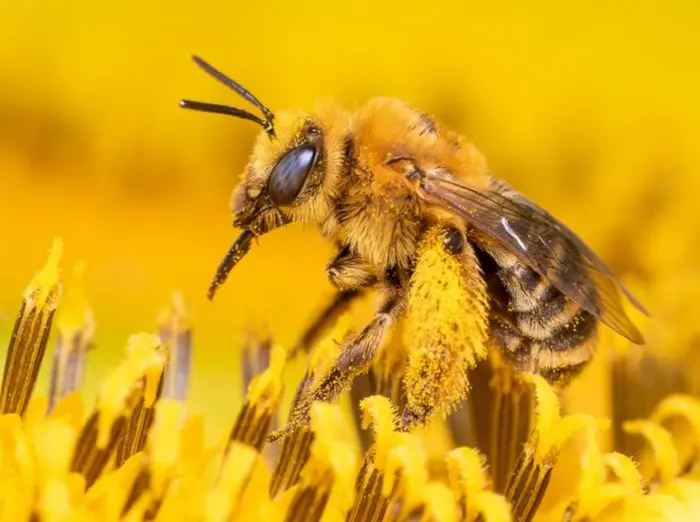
point(539, 240)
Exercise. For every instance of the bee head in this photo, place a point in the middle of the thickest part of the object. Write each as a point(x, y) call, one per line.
point(282, 176)
point(294, 157)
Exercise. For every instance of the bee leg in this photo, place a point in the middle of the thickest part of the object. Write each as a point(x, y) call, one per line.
point(447, 317)
point(335, 308)
point(347, 271)
point(350, 275)
point(356, 356)
point(358, 352)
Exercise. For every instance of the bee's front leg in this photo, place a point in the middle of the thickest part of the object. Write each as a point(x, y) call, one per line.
point(351, 276)
point(347, 271)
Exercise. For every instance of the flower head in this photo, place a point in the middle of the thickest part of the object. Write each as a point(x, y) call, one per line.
point(139, 454)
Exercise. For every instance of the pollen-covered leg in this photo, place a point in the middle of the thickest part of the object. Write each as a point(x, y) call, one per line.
point(350, 275)
point(331, 312)
point(355, 358)
point(447, 325)
point(358, 353)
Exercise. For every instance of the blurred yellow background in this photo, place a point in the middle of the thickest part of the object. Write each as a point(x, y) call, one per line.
point(590, 108)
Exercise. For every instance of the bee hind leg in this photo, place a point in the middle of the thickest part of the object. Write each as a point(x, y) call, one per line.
point(447, 317)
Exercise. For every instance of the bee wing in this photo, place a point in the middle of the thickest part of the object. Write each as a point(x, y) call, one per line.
point(539, 240)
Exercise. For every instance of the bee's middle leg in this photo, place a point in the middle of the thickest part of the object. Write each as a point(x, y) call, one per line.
point(351, 276)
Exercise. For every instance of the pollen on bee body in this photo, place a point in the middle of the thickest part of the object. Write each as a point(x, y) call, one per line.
point(447, 325)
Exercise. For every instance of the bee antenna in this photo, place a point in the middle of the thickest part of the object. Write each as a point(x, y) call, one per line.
point(222, 109)
point(267, 123)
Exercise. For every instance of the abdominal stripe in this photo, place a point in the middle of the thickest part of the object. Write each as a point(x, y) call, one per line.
point(537, 327)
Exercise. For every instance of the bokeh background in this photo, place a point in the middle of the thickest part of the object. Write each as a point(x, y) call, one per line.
point(590, 108)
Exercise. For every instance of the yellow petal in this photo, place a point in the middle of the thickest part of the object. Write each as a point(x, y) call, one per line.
point(17, 470)
point(491, 507)
point(552, 431)
point(626, 471)
point(53, 445)
point(184, 500)
point(334, 447)
point(69, 408)
point(55, 501)
point(661, 443)
point(686, 409)
point(269, 383)
point(469, 481)
point(656, 507)
point(34, 415)
point(164, 444)
point(439, 504)
point(75, 312)
point(327, 482)
point(238, 466)
point(601, 499)
point(592, 464)
point(406, 469)
point(380, 414)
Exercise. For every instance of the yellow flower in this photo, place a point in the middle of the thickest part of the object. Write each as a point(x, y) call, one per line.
point(140, 455)
point(591, 110)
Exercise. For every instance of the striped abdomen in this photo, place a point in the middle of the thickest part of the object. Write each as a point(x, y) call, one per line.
point(538, 329)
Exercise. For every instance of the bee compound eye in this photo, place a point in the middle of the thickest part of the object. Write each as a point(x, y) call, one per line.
point(453, 241)
point(289, 175)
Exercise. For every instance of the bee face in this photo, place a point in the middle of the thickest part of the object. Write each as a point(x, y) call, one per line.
point(283, 174)
point(295, 172)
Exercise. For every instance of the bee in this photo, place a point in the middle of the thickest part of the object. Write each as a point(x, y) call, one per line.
point(377, 180)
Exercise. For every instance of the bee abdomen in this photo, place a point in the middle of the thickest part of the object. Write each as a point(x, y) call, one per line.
point(538, 328)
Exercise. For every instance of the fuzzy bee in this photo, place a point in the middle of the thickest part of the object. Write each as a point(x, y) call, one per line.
point(390, 187)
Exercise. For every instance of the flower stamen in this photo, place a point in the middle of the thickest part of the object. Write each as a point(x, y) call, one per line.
point(327, 479)
point(76, 327)
point(31, 334)
point(532, 473)
point(175, 331)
